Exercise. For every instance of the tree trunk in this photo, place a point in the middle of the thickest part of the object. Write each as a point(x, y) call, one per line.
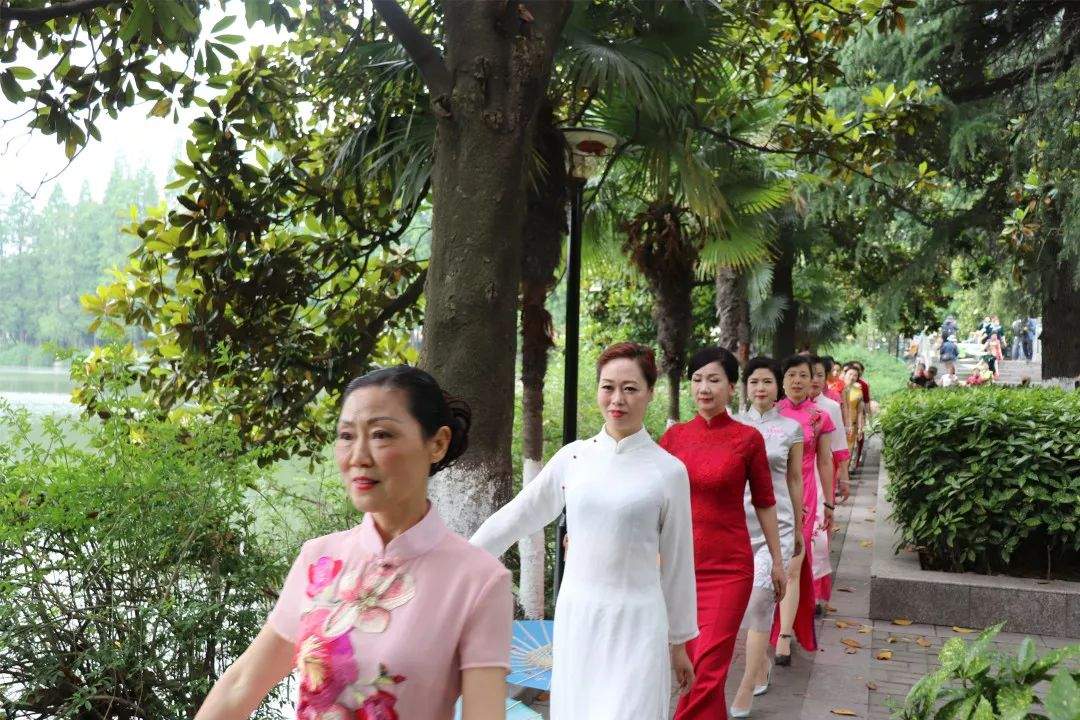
point(1060, 320)
point(674, 318)
point(783, 286)
point(545, 225)
point(733, 318)
point(733, 312)
point(498, 64)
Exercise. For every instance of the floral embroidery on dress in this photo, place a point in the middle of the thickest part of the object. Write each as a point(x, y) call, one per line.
point(326, 663)
point(321, 574)
point(366, 596)
point(360, 599)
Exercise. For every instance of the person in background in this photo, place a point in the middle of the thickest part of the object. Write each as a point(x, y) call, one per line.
point(949, 327)
point(950, 351)
point(853, 399)
point(1017, 345)
point(931, 378)
point(834, 385)
point(996, 328)
point(993, 348)
point(783, 444)
point(819, 547)
point(986, 329)
point(948, 379)
point(348, 614)
point(981, 374)
point(1028, 341)
point(918, 378)
point(867, 405)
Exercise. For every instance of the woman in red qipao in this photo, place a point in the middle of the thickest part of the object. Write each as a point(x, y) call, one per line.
point(721, 455)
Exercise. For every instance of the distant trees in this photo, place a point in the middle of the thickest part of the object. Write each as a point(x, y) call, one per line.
point(50, 256)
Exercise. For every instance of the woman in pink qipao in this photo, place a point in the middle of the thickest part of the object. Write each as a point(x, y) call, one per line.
point(397, 617)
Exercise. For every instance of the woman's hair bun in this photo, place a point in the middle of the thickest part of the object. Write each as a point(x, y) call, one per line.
point(460, 423)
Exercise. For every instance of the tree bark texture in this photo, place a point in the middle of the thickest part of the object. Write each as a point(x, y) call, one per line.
point(499, 61)
point(783, 286)
point(542, 238)
point(733, 312)
point(1061, 320)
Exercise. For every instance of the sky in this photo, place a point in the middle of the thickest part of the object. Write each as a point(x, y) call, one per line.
point(27, 159)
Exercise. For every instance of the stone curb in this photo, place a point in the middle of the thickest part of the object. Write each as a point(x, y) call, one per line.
point(899, 588)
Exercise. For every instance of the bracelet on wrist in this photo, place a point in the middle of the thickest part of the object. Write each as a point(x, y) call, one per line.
point(829, 505)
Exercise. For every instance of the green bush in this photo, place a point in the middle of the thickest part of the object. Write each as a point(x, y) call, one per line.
point(974, 682)
point(987, 479)
point(131, 568)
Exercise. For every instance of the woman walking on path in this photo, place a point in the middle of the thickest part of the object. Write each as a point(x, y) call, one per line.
point(622, 618)
point(853, 399)
point(840, 454)
point(398, 616)
point(797, 607)
point(723, 456)
point(783, 444)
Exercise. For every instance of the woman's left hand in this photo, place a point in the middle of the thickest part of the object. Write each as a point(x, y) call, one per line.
point(779, 581)
point(681, 668)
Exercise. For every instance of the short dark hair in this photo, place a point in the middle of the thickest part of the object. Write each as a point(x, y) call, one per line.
point(794, 361)
point(714, 354)
point(829, 363)
point(763, 361)
point(643, 355)
point(429, 404)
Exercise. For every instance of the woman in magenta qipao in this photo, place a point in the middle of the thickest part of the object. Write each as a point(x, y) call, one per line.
point(397, 617)
point(722, 456)
point(797, 609)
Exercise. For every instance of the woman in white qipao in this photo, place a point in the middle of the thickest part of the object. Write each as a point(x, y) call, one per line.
point(627, 604)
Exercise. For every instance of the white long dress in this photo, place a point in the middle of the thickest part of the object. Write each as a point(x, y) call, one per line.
point(819, 543)
point(628, 590)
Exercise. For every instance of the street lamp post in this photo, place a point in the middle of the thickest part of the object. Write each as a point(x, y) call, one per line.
point(588, 147)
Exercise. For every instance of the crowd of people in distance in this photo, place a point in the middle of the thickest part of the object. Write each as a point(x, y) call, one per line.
point(989, 341)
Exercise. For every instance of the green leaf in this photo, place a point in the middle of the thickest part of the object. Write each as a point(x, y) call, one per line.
point(161, 107)
point(1013, 702)
point(21, 73)
point(10, 87)
point(952, 654)
point(1063, 700)
point(222, 24)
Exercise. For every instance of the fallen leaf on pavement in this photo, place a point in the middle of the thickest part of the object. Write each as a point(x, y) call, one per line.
point(891, 639)
point(851, 643)
point(901, 621)
point(884, 655)
point(845, 589)
point(830, 608)
point(962, 630)
point(871, 685)
point(923, 642)
point(846, 712)
point(850, 651)
point(842, 624)
point(866, 543)
point(865, 630)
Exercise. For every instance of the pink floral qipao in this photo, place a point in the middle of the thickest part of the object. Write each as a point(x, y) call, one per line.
point(383, 632)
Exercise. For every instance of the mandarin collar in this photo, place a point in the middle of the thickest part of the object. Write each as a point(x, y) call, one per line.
point(631, 442)
point(414, 542)
point(720, 420)
point(796, 406)
point(758, 417)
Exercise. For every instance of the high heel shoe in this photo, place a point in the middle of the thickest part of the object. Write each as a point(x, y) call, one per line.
point(783, 660)
point(762, 689)
point(733, 713)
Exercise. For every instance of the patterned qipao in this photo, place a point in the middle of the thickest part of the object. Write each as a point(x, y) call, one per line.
point(383, 632)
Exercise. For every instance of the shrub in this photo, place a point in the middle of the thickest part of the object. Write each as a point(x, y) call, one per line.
point(987, 479)
point(131, 571)
point(977, 683)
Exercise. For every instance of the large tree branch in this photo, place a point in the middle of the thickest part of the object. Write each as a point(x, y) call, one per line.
point(424, 54)
point(50, 12)
point(1014, 78)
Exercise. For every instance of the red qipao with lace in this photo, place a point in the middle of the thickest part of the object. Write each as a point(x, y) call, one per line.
point(721, 456)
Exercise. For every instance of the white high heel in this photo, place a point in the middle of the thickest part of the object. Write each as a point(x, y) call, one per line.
point(733, 713)
point(762, 689)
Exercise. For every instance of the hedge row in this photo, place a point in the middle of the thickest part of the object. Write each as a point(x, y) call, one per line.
point(987, 479)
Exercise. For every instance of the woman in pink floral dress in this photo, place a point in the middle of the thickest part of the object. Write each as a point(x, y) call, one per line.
point(397, 617)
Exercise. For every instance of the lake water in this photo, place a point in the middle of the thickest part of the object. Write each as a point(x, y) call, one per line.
point(42, 391)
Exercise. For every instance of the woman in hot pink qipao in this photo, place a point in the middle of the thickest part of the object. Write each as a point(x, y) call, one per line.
point(397, 617)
